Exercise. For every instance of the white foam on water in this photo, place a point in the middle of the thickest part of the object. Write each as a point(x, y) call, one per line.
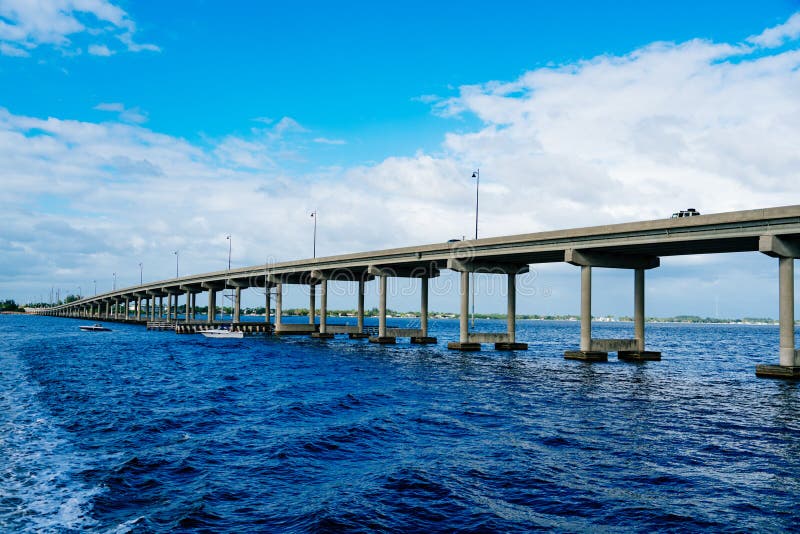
point(39, 489)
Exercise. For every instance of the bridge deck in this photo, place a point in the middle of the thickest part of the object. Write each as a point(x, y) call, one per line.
point(705, 234)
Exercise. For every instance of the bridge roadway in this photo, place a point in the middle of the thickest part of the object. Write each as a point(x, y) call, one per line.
point(637, 246)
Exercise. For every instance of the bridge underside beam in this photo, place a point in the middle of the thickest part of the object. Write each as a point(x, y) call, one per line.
point(588, 258)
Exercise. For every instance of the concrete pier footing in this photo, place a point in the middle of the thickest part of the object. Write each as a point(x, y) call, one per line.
point(358, 335)
point(586, 355)
point(423, 340)
point(383, 340)
point(322, 335)
point(639, 355)
point(510, 346)
point(791, 372)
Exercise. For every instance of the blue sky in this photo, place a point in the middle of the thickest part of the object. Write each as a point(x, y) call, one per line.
point(130, 129)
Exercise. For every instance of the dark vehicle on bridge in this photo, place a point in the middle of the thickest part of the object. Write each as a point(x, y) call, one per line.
point(691, 212)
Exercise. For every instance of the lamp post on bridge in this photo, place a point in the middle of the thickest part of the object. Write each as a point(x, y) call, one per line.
point(477, 176)
point(314, 216)
point(230, 243)
point(177, 256)
point(95, 287)
point(140, 273)
point(114, 286)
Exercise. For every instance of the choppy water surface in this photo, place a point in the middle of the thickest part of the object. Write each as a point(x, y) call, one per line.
point(135, 431)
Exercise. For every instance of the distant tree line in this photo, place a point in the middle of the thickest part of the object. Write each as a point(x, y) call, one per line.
point(9, 306)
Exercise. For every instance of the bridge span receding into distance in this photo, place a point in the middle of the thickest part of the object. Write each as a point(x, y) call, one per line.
point(637, 246)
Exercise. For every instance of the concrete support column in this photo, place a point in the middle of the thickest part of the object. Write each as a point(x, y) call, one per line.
point(464, 316)
point(423, 306)
point(382, 306)
point(138, 308)
point(212, 305)
point(188, 314)
point(267, 303)
point(237, 304)
point(788, 354)
point(127, 308)
point(586, 308)
point(511, 320)
point(194, 306)
point(360, 311)
point(161, 307)
point(312, 303)
point(169, 307)
point(323, 307)
point(638, 307)
point(278, 306)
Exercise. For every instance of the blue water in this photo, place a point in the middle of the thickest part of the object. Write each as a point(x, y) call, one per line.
point(135, 431)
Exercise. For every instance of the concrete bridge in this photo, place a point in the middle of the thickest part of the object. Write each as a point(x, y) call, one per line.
point(636, 246)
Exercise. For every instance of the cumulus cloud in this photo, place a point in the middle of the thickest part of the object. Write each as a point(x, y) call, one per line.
point(26, 25)
point(613, 138)
point(778, 35)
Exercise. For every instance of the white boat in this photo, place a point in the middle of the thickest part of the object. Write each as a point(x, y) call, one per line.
point(97, 327)
point(222, 333)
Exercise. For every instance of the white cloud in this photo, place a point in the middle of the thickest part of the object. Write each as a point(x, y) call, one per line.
point(26, 24)
point(778, 35)
point(11, 50)
point(131, 115)
point(326, 141)
point(610, 139)
point(100, 50)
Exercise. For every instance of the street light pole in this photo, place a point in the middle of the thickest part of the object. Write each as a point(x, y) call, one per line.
point(314, 216)
point(140, 273)
point(230, 241)
point(177, 256)
point(114, 287)
point(95, 287)
point(477, 176)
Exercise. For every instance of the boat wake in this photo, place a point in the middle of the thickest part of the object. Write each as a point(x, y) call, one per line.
point(40, 490)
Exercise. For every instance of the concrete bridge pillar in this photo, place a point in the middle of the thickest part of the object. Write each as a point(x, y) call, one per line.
point(423, 305)
point(383, 337)
point(312, 303)
point(511, 314)
point(382, 306)
point(788, 354)
point(463, 332)
point(323, 312)
point(127, 308)
point(360, 311)
point(598, 349)
point(189, 312)
point(638, 308)
point(471, 341)
point(139, 308)
point(212, 305)
point(586, 308)
point(278, 306)
point(786, 249)
point(423, 338)
point(267, 303)
point(237, 304)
